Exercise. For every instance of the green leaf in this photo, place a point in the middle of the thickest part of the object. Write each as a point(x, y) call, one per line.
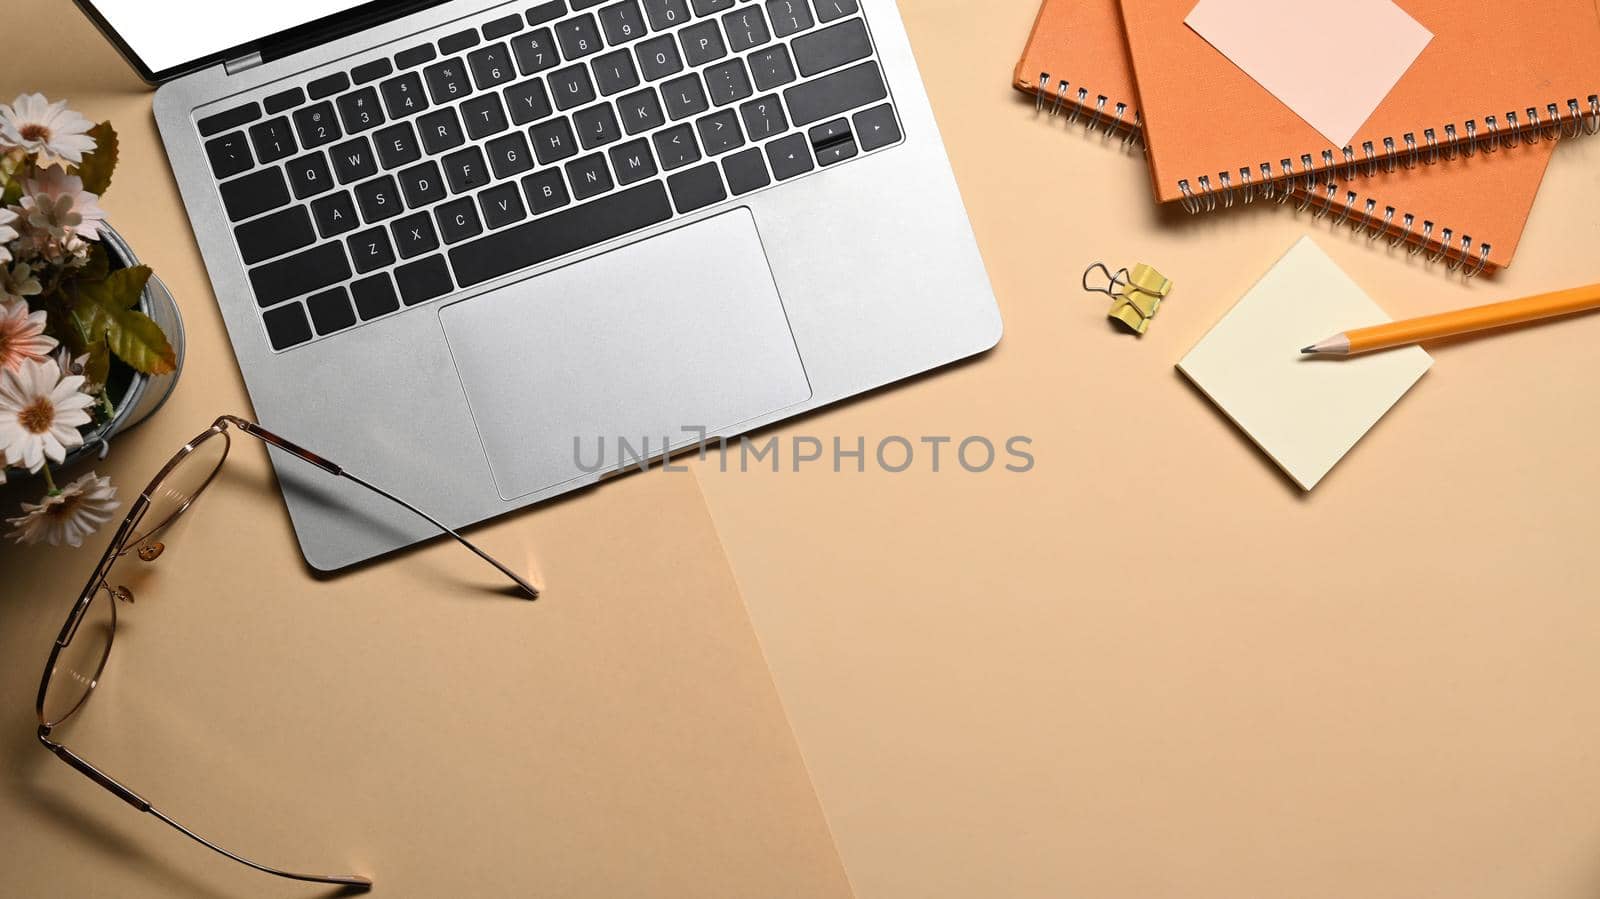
point(104, 310)
point(97, 166)
point(98, 366)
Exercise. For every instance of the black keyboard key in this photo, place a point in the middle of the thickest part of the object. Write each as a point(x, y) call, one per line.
point(596, 126)
point(832, 142)
point(328, 85)
point(535, 51)
point(876, 127)
point(440, 131)
point(491, 66)
point(641, 111)
point(685, 97)
point(572, 87)
point(829, 10)
point(283, 101)
point(371, 71)
point(789, 16)
point(728, 82)
point(317, 125)
point(589, 176)
point(370, 250)
point(228, 118)
point(484, 116)
point(719, 132)
point(379, 199)
point(309, 175)
point(335, 214)
point(229, 155)
point(676, 147)
point(403, 95)
point(546, 191)
point(397, 145)
point(414, 235)
point(423, 280)
point(331, 311)
point(353, 160)
point(461, 40)
point(465, 170)
point(831, 47)
point(614, 72)
point(556, 235)
point(632, 161)
point(502, 205)
point(359, 111)
point(274, 235)
point(763, 118)
point(707, 7)
point(659, 57)
point(547, 12)
point(528, 101)
point(499, 28)
point(302, 273)
point(422, 184)
point(666, 13)
point(272, 140)
point(579, 37)
point(623, 22)
point(553, 141)
point(447, 80)
point(746, 28)
point(254, 194)
point(374, 297)
point(697, 188)
point(287, 326)
point(772, 67)
point(831, 95)
point(790, 157)
point(509, 155)
point(746, 171)
point(458, 220)
point(702, 43)
point(415, 56)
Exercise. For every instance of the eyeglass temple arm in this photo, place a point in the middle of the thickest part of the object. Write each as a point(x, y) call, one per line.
point(255, 430)
point(140, 803)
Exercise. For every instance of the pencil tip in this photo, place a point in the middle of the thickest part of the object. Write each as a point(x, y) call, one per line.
point(1309, 349)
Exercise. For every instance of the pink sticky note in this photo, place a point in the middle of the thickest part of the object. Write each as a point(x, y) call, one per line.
point(1252, 35)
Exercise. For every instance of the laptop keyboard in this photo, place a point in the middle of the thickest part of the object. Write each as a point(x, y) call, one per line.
point(528, 137)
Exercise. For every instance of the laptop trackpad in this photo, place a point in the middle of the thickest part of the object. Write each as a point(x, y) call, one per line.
point(681, 331)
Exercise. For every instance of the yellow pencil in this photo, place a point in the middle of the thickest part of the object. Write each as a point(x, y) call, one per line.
point(1461, 321)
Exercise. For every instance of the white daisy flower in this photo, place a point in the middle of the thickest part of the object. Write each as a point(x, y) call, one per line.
point(66, 517)
point(56, 203)
point(7, 233)
point(38, 126)
point(22, 335)
point(40, 412)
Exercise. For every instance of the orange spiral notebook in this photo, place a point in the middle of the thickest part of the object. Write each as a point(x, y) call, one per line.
point(1077, 64)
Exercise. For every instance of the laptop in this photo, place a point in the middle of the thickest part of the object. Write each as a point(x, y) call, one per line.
point(485, 254)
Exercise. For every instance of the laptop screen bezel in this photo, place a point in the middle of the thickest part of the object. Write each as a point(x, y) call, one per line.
point(272, 46)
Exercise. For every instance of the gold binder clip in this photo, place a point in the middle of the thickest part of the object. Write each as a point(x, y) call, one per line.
point(1135, 296)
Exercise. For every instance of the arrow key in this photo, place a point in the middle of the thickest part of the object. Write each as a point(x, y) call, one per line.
point(790, 156)
point(876, 127)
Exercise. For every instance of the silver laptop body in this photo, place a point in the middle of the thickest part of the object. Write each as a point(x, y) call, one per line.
point(606, 276)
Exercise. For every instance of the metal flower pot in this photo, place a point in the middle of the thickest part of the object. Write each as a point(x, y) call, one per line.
point(144, 394)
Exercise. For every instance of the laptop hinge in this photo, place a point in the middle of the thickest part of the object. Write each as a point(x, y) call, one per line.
point(248, 61)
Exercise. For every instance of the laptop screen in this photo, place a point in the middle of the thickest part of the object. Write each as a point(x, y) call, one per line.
point(168, 37)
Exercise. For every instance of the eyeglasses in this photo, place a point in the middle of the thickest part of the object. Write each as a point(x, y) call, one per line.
point(80, 652)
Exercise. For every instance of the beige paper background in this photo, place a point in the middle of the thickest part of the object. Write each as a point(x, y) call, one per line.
point(620, 737)
point(1152, 669)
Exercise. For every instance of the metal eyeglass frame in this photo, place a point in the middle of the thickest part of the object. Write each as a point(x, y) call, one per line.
point(148, 550)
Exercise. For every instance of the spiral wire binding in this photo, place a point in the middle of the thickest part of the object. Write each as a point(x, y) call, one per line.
point(1082, 100)
point(1312, 187)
